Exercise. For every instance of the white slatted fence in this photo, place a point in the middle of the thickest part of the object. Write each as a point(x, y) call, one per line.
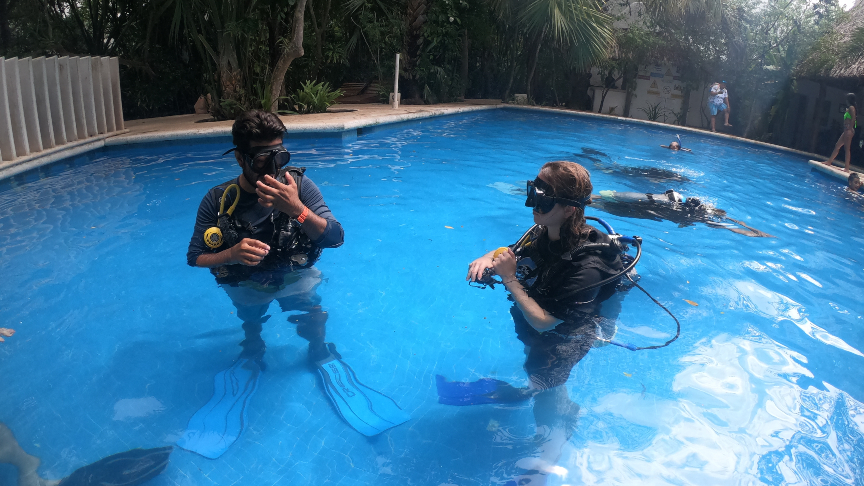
point(51, 102)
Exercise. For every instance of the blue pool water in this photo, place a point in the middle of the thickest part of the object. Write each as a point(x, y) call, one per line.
point(118, 340)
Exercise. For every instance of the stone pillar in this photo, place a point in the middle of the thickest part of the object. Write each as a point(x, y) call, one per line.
point(115, 90)
point(28, 104)
point(16, 108)
point(64, 81)
point(7, 141)
point(85, 77)
point(52, 80)
point(108, 98)
point(98, 96)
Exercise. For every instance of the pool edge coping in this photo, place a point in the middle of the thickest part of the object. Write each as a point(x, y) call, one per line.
point(54, 154)
point(34, 161)
point(310, 128)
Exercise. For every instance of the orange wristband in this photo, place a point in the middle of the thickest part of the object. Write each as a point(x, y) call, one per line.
point(303, 215)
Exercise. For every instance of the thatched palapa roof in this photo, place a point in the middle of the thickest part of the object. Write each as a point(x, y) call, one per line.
point(840, 54)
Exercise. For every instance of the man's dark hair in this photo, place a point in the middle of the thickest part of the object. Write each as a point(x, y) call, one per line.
point(256, 126)
point(853, 177)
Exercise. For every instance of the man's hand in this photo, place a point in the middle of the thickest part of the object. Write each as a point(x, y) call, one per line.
point(249, 252)
point(272, 193)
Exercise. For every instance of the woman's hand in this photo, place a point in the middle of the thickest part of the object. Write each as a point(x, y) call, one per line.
point(476, 268)
point(505, 265)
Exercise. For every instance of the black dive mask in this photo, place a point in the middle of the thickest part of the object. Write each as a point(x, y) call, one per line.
point(539, 200)
point(264, 160)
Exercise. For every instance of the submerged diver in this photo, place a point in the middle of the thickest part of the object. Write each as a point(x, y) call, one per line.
point(669, 206)
point(129, 468)
point(555, 315)
point(605, 164)
point(260, 235)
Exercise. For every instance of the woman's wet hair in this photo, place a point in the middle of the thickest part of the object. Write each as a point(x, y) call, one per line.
point(850, 99)
point(570, 180)
point(256, 126)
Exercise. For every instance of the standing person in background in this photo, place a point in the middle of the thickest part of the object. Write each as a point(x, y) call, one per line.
point(850, 123)
point(718, 100)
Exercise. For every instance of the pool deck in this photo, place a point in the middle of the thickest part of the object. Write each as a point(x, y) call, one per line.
point(344, 120)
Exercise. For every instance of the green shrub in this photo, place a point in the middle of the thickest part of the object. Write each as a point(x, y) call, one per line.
point(654, 112)
point(313, 97)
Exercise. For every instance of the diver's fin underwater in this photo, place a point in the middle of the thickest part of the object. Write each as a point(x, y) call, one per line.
point(216, 426)
point(129, 468)
point(484, 390)
point(365, 409)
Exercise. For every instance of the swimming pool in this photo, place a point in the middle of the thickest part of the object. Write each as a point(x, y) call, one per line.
point(118, 341)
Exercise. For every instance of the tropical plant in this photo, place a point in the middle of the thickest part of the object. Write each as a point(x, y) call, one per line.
point(581, 27)
point(313, 97)
point(655, 111)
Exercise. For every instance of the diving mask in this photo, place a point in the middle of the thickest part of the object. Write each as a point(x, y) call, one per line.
point(542, 203)
point(264, 160)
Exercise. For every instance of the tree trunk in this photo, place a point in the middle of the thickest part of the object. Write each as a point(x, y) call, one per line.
point(466, 45)
point(603, 99)
point(753, 109)
point(320, 32)
point(685, 105)
point(415, 20)
point(487, 74)
point(629, 85)
point(294, 50)
point(817, 118)
point(273, 35)
point(5, 33)
point(512, 77)
point(533, 66)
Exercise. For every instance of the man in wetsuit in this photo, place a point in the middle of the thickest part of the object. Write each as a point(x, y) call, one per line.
point(272, 225)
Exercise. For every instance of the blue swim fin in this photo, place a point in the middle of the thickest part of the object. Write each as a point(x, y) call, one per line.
point(365, 409)
point(484, 390)
point(216, 426)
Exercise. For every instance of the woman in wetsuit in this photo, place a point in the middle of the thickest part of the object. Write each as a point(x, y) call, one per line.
point(557, 319)
point(552, 316)
point(849, 125)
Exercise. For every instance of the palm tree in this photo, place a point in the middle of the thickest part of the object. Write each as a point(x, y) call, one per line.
point(579, 26)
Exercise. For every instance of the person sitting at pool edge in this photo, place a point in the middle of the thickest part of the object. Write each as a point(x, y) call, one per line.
point(854, 182)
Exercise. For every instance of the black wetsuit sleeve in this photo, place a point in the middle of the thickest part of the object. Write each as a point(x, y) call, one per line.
point(567, 302)
point(208, 214)
point(333, 235)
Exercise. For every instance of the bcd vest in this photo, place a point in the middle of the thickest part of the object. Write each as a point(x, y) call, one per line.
point(289, 246)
